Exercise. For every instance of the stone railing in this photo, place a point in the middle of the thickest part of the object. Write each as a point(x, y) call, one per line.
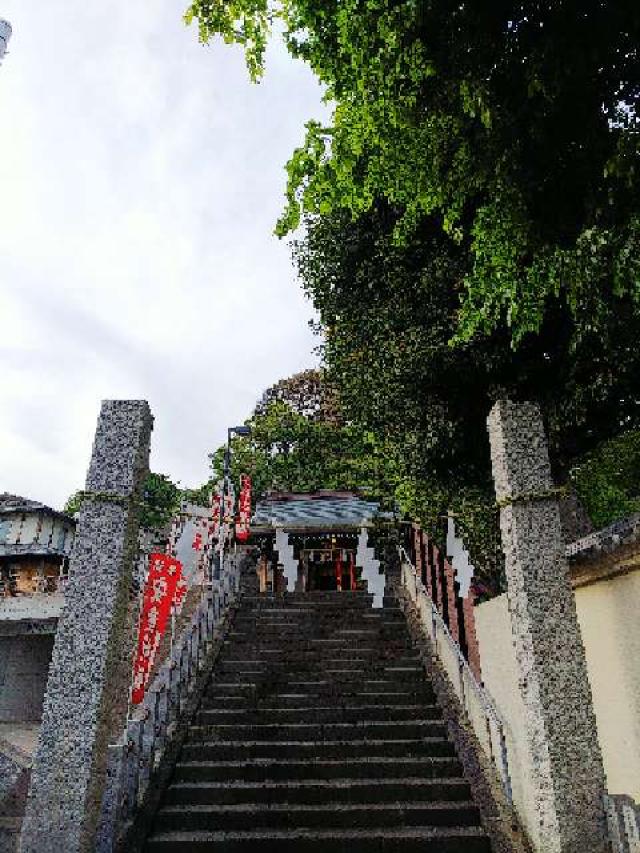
point(476, 702)
point(623, 815)
point(153, 724)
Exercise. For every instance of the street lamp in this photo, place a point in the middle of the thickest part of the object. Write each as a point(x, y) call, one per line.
point(235, 430)
point(238, 430)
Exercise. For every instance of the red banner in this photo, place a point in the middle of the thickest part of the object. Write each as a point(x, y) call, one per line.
point(164, 585)
point(244, 509)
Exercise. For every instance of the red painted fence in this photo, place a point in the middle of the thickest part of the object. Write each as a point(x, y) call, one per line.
point(438, 576)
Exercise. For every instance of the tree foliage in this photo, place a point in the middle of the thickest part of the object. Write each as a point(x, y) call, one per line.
point(160, 500)
point(472, 223)
point(388, 312)
point(73, 503)
point(287, 451)
point(514, 126)
point(608, 479)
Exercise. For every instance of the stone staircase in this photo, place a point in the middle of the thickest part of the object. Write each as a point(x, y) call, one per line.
point(317, 732)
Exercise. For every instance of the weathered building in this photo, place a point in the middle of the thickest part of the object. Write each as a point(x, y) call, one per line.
point(35, 543)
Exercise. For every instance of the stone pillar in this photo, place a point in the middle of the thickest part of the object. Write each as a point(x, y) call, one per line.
point(560, 721)
point(86, 701)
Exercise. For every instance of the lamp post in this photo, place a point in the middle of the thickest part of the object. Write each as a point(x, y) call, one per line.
point(238, 430)
point(235, 430)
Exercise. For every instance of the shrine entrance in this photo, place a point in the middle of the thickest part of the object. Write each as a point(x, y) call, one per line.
point(328, 564)
point(316, 542)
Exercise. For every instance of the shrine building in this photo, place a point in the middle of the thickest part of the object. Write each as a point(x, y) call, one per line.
point(317, 541)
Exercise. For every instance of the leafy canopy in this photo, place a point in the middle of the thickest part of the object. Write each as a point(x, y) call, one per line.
point(161, 499)
point(388, 312)
point(608, 479)
point(514, 125)
point(287, 451)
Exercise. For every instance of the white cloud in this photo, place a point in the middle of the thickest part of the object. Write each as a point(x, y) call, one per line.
point(141, 175)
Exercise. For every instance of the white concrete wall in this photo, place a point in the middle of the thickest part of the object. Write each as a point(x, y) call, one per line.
point(36, 606)
point(500, 677)
point(609, 618)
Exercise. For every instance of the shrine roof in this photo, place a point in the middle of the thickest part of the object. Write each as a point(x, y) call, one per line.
point(325, 510)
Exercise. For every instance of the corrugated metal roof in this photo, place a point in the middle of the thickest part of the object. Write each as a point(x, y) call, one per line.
point(11, 504)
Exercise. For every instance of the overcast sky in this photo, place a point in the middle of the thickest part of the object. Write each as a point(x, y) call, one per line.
point(141, 175)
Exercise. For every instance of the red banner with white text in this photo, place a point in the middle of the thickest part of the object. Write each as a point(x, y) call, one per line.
point(163, 586)
point(244, 509)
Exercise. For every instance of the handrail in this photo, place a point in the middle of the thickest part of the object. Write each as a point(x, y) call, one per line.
point(500, 756)
point(152, 725)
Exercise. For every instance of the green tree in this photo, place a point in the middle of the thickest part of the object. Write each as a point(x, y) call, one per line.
point(513, 126)
point(388, 312)
point(608, 479)
point(287, 451)
point(477, 185)
point(73, 503)
point(161, 498)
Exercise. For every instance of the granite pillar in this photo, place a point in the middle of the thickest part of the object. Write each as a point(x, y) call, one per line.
point(87, 692)
point(561, 726)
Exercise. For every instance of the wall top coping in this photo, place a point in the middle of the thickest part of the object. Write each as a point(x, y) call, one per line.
point(609, 539)
point(613, 550)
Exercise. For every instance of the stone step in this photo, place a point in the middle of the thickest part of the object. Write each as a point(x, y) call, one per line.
point(319, 791)
point(318, 732)
point(281, 770)
point(336, 671)
point(417, 839)
point(321, 647)
point(335, 714)
point(318, 687)
point(308, 600)
point(310, 617)
point(316, 627)
point(320, 750)
point(216, 700)
point(402, 729)
point(333, 814)
point(320, 609)
point(340, 634)
point(232, 660)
